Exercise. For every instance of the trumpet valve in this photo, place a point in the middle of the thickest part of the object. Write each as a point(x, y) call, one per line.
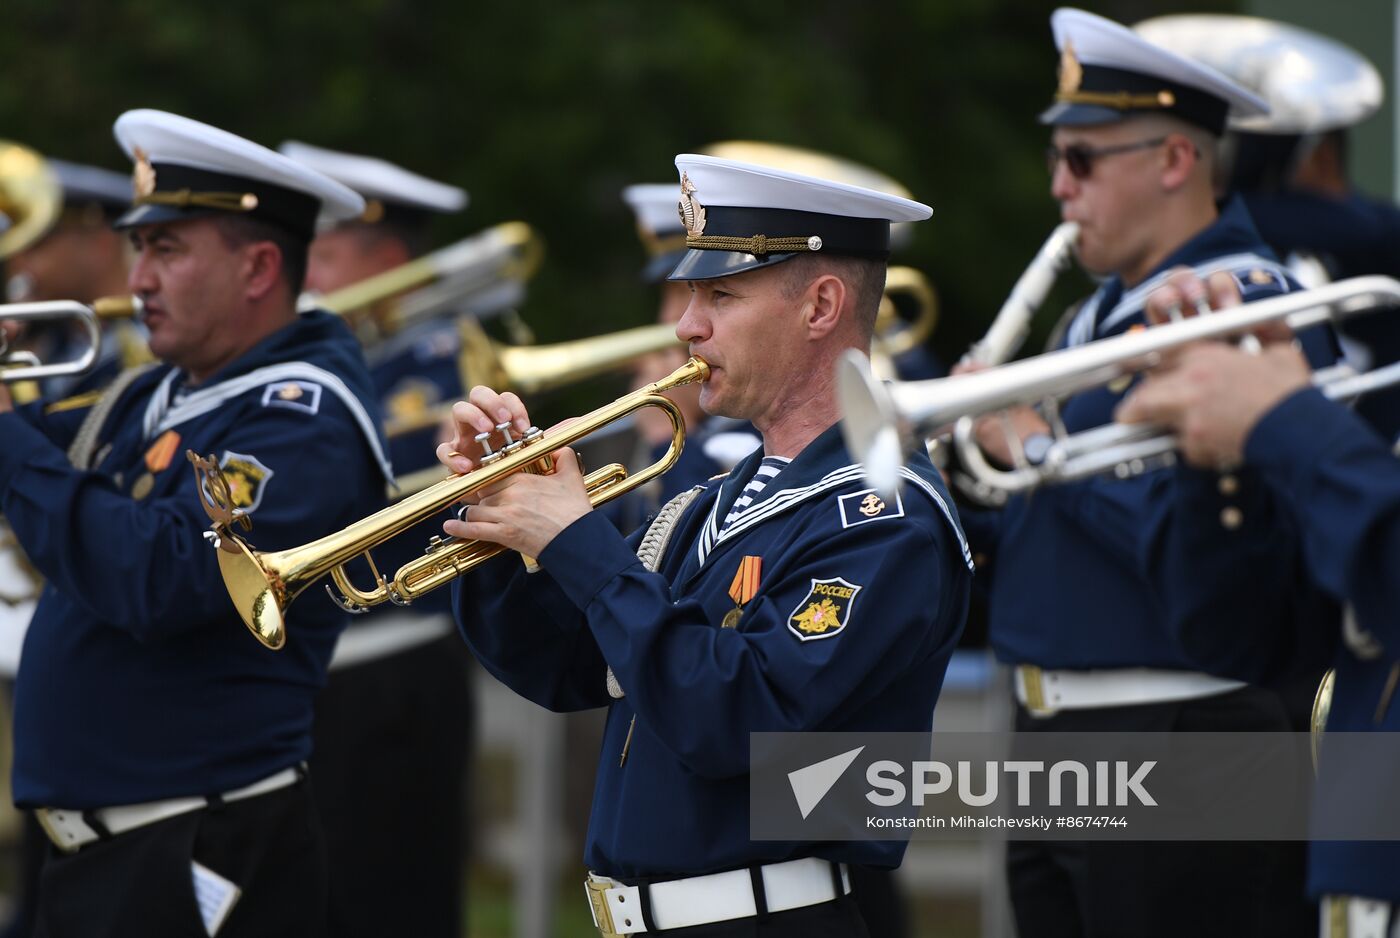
point(354, 608)
point(437, 541)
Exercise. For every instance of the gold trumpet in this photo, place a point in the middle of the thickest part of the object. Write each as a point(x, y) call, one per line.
point(263, 583)
point(533, 368)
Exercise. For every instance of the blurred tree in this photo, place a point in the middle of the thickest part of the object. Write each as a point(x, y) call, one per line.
point(544, 111)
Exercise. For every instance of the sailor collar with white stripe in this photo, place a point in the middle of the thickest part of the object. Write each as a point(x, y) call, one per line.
point(299, 352)
point(824, 466)
point(1231, 242)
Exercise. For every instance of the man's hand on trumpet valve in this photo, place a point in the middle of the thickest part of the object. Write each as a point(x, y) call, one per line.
point(994, 432)
point(1211, 394)
point(523, 511)
point(1185, 295)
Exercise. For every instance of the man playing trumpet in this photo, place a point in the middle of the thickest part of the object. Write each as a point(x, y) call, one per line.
point(1339, 484)
point(791, 597)
point(1071, 608)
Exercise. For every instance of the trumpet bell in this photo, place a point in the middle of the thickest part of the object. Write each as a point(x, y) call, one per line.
point(257, 592)
point(870, 422)
point(263, 584)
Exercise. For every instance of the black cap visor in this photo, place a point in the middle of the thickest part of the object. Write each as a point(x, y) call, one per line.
point(709, 264)
point(1067, 114)
point(139, 215)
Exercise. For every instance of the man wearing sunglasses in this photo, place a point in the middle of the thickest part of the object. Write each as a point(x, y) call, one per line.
point(1132, 150)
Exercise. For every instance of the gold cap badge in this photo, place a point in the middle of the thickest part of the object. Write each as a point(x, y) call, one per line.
point(1071, 73)
point(691, 211)
point(143, 175)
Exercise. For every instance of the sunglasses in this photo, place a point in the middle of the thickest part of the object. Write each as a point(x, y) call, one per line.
point(1079, 157)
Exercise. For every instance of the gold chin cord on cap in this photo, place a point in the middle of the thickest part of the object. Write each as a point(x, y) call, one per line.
point(1119, 100)
point(756, 244)
point(263, 583)
point(186, 198)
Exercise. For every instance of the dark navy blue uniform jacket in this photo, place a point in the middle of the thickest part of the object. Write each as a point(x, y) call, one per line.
point(1071, 587)
point(680, 803)
point(1353, 236)
point(1336, 486)
point(138, 679)
point(411, 371)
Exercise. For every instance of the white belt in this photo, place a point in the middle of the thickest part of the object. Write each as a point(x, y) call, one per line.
point(1357, 917)
point(1044, 692)
point(718, 897)
point(386, 634)
point(70, 831)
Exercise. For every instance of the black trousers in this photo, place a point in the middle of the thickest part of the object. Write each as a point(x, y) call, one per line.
point(139, 884)
point(881, 901)
point(837, 919)
point(392, 739)
point(1099, 889)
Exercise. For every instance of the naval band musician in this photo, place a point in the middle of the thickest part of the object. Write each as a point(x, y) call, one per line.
point(161, 746)
point(840, 619)
point(1135, 127)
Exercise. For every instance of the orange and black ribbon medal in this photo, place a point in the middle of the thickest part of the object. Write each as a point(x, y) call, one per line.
point(743, 589)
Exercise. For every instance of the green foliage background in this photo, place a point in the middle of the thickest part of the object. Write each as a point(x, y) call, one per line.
point(544, 111)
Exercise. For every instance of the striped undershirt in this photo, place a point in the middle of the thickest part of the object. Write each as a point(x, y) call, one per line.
point(771, 466)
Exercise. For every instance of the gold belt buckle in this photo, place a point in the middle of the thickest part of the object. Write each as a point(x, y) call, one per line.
point(1033, 682)
point(598, 901)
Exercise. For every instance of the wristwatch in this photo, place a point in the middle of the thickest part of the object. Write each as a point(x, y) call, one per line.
point(1036, 446)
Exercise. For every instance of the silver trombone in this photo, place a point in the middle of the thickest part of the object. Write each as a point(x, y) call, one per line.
point(482, 274)
point(19, 365)
point(882, 422)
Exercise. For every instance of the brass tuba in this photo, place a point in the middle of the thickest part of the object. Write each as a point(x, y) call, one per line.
point(263, 583)
point(30, 198)
point(893, 335)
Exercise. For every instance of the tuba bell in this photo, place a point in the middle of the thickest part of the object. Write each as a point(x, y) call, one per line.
point(894, 335)
point(30, 198)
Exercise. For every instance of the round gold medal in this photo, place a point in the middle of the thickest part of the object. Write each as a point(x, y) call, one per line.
point(731, 618)
point(142, 486)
